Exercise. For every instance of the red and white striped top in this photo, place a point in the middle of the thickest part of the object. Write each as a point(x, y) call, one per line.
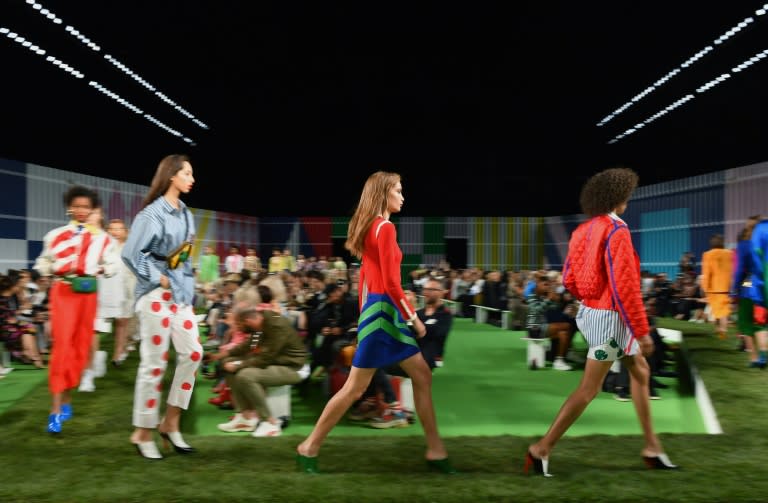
point(74, 249)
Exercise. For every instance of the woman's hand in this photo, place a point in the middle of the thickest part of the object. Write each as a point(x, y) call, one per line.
point(165, 282)
point(646, 345)
point(410, 297)
point(418, 328)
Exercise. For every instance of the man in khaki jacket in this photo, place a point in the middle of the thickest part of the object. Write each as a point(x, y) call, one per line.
point(271, 356)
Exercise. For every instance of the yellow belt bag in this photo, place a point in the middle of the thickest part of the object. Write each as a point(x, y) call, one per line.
point(179, 255)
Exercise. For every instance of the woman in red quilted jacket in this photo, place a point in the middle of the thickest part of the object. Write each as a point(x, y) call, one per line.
point(602, 270)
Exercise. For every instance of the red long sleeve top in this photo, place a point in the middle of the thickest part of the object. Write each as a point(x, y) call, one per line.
point(603, 271)
point(380, 271)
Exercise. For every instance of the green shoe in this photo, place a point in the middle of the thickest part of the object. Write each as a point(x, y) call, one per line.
point(442, 465)
point(306, 464)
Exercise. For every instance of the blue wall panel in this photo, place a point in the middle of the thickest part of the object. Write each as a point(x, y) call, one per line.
point(34, 248)
point(14, 200)
point(13, 228)
point(15, 166)
point(665, 237)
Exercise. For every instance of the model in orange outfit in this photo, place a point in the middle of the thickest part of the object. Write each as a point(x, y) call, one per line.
point(74, 256)
point(717, 272)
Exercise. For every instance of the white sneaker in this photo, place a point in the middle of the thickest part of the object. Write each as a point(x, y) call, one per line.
point(239, 423)
point(86, 382)
point(559, 364)
point(267, 429)
point(4, 371)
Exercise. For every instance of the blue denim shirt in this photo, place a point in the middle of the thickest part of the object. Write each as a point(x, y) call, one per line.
point(160, 229)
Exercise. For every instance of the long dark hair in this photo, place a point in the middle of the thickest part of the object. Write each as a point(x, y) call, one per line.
point(168, 167)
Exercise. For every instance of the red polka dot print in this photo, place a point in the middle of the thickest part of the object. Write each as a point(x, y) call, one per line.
point(156, 307)
point(166, 296)
point(159, 387)
point(165, 322)
point(157, 372)
point(165, 356)
point(186, 386)
point(151, 403)
point(174, 308)
point(187, 325)
point(194, 356)
point(157, 340)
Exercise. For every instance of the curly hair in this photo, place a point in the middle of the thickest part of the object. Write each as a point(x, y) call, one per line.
point(606, 190)
point(76, 191)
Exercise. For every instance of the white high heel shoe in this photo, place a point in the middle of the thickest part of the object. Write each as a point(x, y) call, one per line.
point(148, 450)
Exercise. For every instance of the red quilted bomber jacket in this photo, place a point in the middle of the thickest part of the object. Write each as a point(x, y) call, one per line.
point(602, 270)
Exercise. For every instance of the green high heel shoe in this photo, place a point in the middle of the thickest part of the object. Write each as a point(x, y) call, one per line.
point(442, 465)
point(307, 464)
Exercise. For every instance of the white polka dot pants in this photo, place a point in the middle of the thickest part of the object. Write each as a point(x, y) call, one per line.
point(160, 322)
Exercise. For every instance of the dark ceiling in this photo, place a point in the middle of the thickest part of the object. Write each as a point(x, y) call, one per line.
point(484, 108)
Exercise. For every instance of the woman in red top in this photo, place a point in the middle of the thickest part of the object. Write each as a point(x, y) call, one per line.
point(602, 270)
point(73, 254)
point(386, 323)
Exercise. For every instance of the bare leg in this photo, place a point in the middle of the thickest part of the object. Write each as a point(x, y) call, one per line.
point(561, 332)
point(29, 345)
point(761, 340)
point(353, 389)
point(59, 398)
point(722, 327)
point(121, 337)
point(56, 401)
point(639, 374)
point(170, 422)
point(141, 435)
point(591, 383)
point(419, 372)
point(750, 344)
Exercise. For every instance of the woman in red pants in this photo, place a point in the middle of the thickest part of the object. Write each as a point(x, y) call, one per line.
point(74, 255)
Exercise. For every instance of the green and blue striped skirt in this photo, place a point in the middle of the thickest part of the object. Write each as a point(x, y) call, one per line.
point(383, 338)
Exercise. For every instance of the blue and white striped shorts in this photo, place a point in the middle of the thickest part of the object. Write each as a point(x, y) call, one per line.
point(606, 333)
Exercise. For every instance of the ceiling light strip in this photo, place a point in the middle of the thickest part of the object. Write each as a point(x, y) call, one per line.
point(701, 89)
point(45, 12)
point(92, 45)
point(15, 37)
point(722, 38)
point(133, 108)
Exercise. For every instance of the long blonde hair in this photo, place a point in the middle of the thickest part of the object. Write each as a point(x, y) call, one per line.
point(373, 203)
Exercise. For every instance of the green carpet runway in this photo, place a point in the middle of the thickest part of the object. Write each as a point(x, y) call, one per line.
point(486, 388)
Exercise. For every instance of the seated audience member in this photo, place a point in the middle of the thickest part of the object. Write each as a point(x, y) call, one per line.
point(437, 320)
point(494, 295)
point(271, 356)
point(379, 405)
point(17, 332)
point(331, 326)
point(543, 299)
point(620, 382)
point(233, 337)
